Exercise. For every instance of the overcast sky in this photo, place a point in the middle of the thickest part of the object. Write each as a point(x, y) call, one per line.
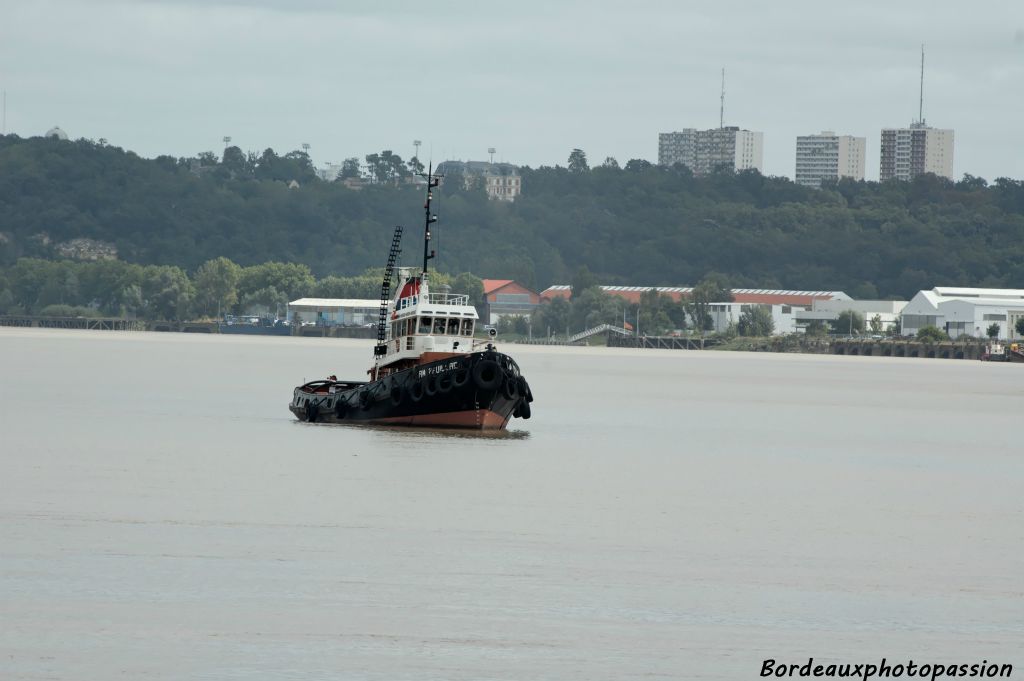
point(533, 79)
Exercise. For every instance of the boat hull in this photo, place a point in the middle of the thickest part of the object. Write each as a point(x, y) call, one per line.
point(478, 391)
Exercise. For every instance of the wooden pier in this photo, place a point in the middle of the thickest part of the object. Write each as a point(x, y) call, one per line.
point(87, 323)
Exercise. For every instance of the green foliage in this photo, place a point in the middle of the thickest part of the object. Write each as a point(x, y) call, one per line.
point(1019, 326)
point(582, 280)
point(513, 324)
point(816, 327)
point(641, 224)
point(876, 324)
point(659, 314)
point(469, 284)
point(216, 285)
point(993, 330)
point(578, 161)
point(756, 320)
point(713, 288)
point(553, 317)
point(931, 334)
point(848, 322)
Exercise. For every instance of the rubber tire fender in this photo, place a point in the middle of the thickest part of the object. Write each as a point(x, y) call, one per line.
point(445, 383)
point(430, 385)
point(484, 368)
point(416, 391)
point(397, 395)
point(524, 389)
point(510, 387)
point(524, 410)
point(460, 378)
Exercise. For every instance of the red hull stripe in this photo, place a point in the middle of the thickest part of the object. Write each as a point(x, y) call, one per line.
point(481, 419)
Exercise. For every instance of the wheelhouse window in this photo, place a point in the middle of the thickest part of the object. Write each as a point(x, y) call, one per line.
point(453, 327)
point(424, 325)
point(467, 327)
point(439, 326)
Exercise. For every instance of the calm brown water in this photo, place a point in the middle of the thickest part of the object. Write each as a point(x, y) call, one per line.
point(664, 515)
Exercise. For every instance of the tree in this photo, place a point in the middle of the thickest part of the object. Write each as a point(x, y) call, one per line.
point(578, 161)
point(931, 334)
point(816, 327)
point(216, 285)
point(993, 330)
point(552, 316)
point(471, 285)
point(292, 279)
point(1019, 326)
point(610, 163)
point(655, 313)
point(848, 322)
point(415, 167)
point(378, 168)
point(638, 164)
point(756, 320)
point(876, 324)
point(167, 292)
point(349, 168)
point(582, 280)
point(234, 162)
point(267, 299)
point(714, 288)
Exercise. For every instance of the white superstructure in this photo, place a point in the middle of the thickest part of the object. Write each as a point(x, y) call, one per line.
point(421, 321)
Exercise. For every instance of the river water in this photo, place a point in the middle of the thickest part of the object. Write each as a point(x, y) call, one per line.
point(664, 515)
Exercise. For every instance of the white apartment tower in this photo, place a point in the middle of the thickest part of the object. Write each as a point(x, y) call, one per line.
point(828, 157)
point(706, 151)
point(909, 152)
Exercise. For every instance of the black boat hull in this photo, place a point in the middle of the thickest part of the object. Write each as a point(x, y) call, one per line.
point(480, 391)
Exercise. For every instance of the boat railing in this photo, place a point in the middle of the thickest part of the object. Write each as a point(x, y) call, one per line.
point(448, 299)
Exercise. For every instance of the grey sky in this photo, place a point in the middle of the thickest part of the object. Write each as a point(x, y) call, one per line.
point(533, 79)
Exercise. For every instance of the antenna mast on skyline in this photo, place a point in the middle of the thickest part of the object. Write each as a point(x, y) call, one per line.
point(920, 101)
point(721, 109)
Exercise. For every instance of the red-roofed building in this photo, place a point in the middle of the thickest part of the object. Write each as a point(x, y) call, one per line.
point(507, 297)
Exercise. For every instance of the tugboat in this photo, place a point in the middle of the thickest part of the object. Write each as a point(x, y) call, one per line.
point(428, 369)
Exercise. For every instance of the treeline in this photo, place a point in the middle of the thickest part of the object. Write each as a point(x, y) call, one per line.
point(638, 224)
point(167, 292)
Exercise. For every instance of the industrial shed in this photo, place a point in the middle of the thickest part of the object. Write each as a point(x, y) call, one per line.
point(965, 311)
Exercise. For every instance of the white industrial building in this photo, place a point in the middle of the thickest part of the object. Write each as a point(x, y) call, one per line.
point(828, 156)
point(888, 312)
point(334, 311)
point(965, 311)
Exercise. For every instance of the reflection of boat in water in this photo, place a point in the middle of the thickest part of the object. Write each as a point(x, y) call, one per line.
point(428, 369)
point(264, 326)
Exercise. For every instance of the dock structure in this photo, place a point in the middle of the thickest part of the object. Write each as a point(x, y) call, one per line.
point(87, 323)
point(662, 342)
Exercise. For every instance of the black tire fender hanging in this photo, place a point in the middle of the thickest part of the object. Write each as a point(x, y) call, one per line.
point(487, 375)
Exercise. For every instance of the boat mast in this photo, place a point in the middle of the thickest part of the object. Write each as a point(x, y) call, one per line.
point(432, 181)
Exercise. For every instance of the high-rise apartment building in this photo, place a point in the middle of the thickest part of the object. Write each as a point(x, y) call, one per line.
point(705, 151)
point(908, 152)
point(829, 156)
